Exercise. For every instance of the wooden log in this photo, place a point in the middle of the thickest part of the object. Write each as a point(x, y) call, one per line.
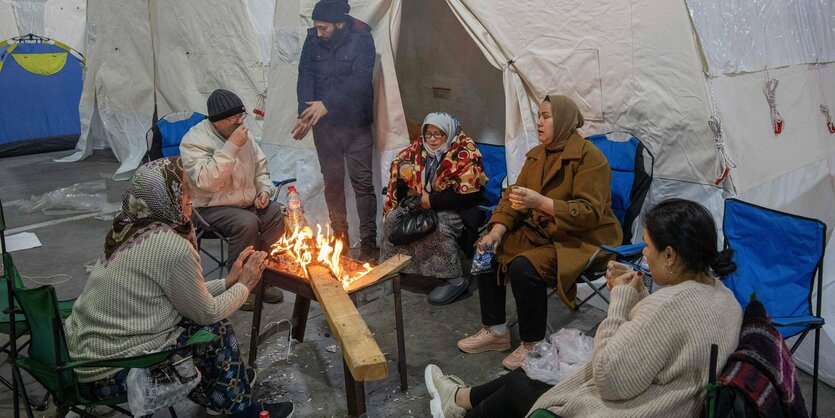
point(362, 355)
point(387, 268)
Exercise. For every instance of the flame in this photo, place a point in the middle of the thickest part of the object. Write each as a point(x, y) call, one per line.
point(303, 248)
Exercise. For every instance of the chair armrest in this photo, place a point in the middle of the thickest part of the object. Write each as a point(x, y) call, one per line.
point(487, 208)
point(279, 184)
point(625, 250)
point(145, 360)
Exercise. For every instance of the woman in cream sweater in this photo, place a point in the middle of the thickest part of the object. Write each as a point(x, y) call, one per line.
point(651, 353)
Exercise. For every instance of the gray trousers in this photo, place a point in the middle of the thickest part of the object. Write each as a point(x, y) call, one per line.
point(245, 226)
point(337, 147)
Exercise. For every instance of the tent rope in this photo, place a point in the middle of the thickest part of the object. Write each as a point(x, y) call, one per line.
point(770, 89)
point(829, 124)
point(824, 107)
point(724, 163)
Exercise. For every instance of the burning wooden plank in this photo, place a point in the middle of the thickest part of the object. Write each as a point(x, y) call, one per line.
point(391, 266)
point(362, 355)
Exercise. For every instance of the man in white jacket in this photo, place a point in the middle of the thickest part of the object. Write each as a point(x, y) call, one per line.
point(231, 185)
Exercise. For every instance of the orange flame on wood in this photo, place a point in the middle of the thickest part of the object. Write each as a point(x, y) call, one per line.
point(303, 248)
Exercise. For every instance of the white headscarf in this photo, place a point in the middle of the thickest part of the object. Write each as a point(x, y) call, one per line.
point(451, 126)
point(447, 123)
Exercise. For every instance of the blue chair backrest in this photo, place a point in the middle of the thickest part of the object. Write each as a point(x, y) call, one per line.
point(630, 180)
point(173, 127)
point(495, 167)
point(776, 255)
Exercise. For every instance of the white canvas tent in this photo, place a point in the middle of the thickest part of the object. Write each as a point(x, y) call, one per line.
point(655, 68)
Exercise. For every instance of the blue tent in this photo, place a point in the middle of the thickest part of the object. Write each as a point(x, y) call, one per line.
point(40, 88)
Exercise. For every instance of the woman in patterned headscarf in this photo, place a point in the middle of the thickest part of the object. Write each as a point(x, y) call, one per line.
point(147, 293)
point(442, 167)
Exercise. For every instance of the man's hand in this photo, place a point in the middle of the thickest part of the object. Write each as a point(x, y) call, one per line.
point(301, 129)
point(315, 111)
point(240, 136)
point(262, 200)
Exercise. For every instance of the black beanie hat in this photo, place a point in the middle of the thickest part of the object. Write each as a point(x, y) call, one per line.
point(331, 11)
point(223, 104)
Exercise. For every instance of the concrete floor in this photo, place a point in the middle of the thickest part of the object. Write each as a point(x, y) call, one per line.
point(311, 376)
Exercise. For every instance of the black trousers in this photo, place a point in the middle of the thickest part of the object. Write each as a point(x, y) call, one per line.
point(337, 147)
point(531, 296)
point(511, 395)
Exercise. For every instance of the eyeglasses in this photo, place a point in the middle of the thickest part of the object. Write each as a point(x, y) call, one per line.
point(436, 135)
point(239, 115)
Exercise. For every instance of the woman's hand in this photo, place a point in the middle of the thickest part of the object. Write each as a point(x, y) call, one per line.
point(613, 271)
point(616, 276)
point(522, 198)
point(250, 271)
point(493, 237)
point(235, 271)
point(424, 200)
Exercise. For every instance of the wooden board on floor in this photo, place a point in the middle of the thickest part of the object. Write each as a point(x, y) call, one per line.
point(363, 356)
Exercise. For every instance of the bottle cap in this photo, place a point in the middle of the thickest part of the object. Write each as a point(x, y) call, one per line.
point(264, 414)
point(291, 189)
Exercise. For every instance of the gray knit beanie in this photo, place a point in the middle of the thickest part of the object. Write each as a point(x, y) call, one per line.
point(223, 104)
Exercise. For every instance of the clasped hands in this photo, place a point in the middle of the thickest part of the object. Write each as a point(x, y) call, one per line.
point(247, 268)
point(620, 274)
point(315, 111)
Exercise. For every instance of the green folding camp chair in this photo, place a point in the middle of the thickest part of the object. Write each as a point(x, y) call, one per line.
point(49, 361)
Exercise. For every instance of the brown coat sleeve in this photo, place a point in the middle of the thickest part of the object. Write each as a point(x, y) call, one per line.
point(504, 214)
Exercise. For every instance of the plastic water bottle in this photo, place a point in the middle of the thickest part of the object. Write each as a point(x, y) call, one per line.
point(482, 260)
point(295, 212)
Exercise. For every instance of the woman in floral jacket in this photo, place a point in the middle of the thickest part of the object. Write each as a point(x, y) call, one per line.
point(442, 167)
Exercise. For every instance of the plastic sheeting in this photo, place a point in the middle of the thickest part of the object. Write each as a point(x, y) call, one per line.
point(745, 35)
point(200, 49)
point(117, 100)
point(8, 24)
point(66, 21)
point(760, 155)
point(29, 15)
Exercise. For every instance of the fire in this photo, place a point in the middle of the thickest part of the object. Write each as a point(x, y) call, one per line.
point(303, 248)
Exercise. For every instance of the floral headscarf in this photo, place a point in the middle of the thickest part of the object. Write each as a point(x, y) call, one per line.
point(152, 203)
point(459, 169)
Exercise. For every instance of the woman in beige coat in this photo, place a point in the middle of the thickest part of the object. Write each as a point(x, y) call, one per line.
point(544, 230)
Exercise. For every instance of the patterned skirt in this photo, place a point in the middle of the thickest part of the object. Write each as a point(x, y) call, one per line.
point(436, 255)
point(224, 386)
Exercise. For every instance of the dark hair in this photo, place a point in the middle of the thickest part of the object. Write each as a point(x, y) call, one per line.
point(688, 228)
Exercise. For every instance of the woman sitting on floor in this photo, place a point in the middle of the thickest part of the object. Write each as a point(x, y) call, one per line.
point(544, 230)
point(147, 293)
point(440, 171)
point(651, 353)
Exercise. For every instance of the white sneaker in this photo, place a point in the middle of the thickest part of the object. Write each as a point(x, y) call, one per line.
point(442, 389)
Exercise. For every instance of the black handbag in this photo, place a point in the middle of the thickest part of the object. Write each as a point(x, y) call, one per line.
point(413, 224)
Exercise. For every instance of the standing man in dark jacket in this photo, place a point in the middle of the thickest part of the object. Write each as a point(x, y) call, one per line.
point(336, 100)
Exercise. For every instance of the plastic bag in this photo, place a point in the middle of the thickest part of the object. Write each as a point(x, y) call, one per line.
point(574, 346)
point(79, 198)
point(159, 387)
point(554, 360)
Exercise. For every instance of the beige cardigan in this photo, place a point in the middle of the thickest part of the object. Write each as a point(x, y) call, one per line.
point(221, 173)
point(134, 304)
point(651, 354)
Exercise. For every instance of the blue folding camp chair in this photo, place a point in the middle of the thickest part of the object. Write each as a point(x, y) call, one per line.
point(632, 168)
point(164, 141)
point(777, 257)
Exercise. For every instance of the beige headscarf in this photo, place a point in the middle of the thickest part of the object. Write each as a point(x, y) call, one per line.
point(567, 118)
